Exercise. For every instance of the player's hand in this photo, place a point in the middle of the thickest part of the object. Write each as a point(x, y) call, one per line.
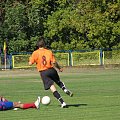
point(61, 69)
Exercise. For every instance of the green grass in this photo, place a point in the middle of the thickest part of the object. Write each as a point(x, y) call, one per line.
point(96, 95)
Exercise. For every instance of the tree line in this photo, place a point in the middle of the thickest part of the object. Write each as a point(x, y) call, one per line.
point(65, 24)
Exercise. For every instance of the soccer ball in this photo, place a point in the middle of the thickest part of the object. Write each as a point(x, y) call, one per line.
point(45, 100)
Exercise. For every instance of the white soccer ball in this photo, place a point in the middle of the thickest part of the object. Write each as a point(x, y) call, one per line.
point(45, 100)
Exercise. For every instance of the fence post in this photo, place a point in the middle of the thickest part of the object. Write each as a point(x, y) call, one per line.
point(10, 57)
point(70, 58)
point(101, 56)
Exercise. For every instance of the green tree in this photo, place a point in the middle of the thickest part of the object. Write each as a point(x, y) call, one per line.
point(89, 22)
point(65, 24)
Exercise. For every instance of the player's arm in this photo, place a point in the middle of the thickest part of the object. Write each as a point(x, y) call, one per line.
point(0, 98)
point(32, 58)
point(56, 65)
point(3, 99)
point(30, 63)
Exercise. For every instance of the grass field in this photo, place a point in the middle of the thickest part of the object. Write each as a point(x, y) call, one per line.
point(96, 95)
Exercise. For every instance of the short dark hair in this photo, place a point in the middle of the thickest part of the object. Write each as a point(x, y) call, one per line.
point(40, 43)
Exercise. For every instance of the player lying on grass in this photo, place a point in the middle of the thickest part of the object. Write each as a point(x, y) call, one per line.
point(8, 105)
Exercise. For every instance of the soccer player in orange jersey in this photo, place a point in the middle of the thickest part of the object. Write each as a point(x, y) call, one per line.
point(46, 64)
point(8, 105)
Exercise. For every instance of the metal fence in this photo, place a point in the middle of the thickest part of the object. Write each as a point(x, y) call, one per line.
point(66, 58)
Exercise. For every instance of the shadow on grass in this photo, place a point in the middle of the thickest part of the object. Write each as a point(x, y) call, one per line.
point(76, 105)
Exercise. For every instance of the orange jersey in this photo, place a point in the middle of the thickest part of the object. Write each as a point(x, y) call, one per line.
point(43, 59)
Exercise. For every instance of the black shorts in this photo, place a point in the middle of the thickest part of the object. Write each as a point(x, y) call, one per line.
point(49, 76)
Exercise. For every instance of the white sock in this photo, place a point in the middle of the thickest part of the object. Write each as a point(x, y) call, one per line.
point(65, 90)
